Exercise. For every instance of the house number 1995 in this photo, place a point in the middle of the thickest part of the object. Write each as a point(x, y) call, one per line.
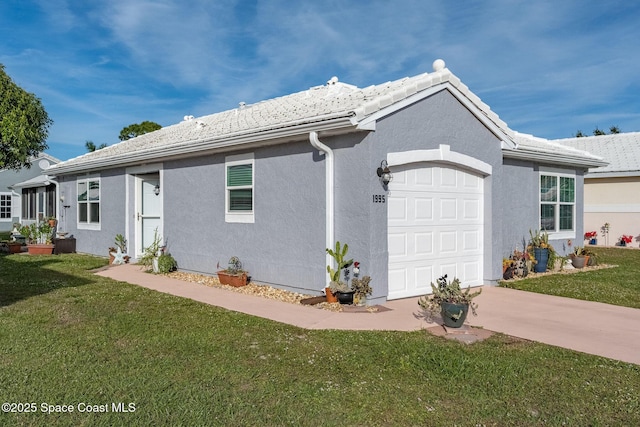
point(379, 198)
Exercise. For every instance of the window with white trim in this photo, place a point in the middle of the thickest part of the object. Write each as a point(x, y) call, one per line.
point(5, 206)
point(557, 203)
point(89, 203)
point(239, 171)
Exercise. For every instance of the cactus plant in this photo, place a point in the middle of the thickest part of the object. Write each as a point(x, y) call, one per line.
point(339, 255)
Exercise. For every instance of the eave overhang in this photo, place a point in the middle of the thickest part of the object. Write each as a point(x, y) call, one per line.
point(561, 159)
point(297, 131)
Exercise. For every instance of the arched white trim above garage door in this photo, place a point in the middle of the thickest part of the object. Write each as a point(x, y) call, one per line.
point(443, 154)
point(435, 220)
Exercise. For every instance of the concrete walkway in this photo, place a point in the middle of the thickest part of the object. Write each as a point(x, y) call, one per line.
point(589, 327)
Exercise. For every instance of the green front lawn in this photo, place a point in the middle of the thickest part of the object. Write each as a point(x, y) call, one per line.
point(68, 337)
point(619, 285)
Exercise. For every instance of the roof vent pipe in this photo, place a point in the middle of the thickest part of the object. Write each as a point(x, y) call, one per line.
point(329, 194)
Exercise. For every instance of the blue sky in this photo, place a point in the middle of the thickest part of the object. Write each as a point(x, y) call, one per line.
point(547, 68)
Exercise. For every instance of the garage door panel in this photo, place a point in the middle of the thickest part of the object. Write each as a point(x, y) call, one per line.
point(423, 209)
point(423, 178)
point(397, 243)
point(470, 181)
point(448, 209)
point(471, 241)
point(435, 223)
point(423, 278)
point(471, 210)
point(397, 210)
point(423, 243)
point(398, 281)
point(448, 177)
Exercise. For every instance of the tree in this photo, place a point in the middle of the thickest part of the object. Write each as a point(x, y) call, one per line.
point(138, 129)
point(24, 125)
point(597, 131)
point(91, 147)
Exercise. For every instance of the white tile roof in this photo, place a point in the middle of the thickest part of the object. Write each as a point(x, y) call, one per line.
point(621, 150)
point(334, 105)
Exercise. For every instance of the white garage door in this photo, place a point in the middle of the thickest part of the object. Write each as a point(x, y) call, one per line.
point(435, 226)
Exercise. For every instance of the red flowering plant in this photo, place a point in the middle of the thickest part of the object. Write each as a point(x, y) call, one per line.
point(590, 235)
point(626, 239)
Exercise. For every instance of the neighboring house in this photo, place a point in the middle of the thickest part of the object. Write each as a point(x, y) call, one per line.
point(27, 194)
point(277, 182)
point(612, 192)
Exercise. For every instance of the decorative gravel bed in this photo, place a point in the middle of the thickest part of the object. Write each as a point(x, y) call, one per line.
point(252, 288)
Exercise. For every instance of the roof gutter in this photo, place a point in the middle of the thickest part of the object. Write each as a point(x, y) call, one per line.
point(556, 159)
point(329, 193)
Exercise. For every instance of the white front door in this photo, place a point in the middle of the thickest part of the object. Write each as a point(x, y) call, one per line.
point(435, 223)
point(148, 211)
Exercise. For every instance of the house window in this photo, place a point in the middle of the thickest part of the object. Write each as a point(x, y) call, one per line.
point(29, 203)
point(5, 206)
point(89, 204)
point(557, 203)
point(239, 188)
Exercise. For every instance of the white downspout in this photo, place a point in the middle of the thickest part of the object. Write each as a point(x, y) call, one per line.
point(329, 193)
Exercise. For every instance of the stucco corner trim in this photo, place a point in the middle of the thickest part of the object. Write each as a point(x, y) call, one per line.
point(443, 154)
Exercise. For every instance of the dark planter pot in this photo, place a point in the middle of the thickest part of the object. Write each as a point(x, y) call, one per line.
point(235, 280)
point(40, 249)
point(453, 315)
point(542, 257)
point(593, 242)
point(345, 297)
point(579, 261)
point(15, 248)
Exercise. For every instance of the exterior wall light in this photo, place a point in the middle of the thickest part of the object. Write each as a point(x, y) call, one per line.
point(156, 189)
point(384, 173)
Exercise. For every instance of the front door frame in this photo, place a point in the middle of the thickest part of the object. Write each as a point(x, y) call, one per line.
point(133, 230)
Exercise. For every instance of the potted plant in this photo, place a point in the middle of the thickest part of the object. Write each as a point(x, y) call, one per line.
point(233, 275)
point(541, 251)
point(166, 263)
point(119, 251)
point(625, 240)
point(450, 300)
point(38, 237)
point(149, 258)
point(579, 257)
point(336, 285)
point(592, 237)
point(361, 289)
point(52, 221)
point(14, 247)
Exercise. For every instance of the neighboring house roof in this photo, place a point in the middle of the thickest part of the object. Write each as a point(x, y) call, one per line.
point(37, 181)
point(39, 157)
point(333, 108)
point(621, 150)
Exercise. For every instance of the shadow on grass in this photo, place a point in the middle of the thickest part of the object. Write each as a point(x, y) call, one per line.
point(25, 276)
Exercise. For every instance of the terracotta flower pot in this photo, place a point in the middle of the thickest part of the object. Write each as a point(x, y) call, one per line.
point(235, 280)
point(330, 295)
point(40, 249)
